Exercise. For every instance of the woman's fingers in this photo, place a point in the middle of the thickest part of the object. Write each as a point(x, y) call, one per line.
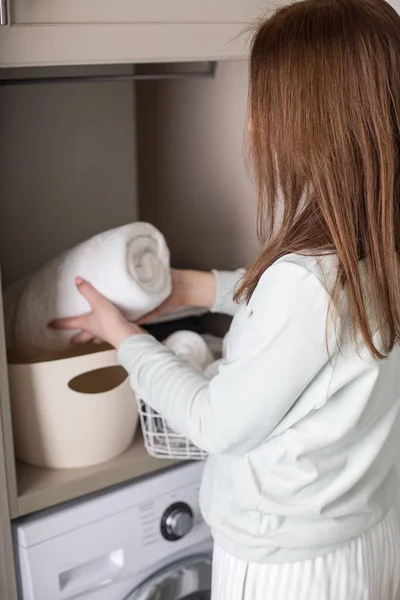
point(69, 323)
point(167, 306)
point(82, 337)
point(92, 296)
point(89, 292)
point(148, 317)
point(152, 316)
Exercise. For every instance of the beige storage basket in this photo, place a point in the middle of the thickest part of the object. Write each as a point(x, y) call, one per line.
point(72, 412)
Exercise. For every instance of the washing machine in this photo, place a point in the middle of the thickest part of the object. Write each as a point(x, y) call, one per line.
point(144, 541)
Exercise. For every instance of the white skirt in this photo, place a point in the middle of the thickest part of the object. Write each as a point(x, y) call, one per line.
point(367, 568)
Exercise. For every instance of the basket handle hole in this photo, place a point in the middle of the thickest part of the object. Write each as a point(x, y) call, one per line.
point(98, 381)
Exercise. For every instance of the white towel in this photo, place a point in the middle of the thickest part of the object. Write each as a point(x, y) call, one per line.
point(129, 265)
point(191, 347)
point(213, 368)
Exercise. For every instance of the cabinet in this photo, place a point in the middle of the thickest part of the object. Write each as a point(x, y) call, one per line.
point(60, 32)
point(134, 11)
point(77, 158)
point(4, 17)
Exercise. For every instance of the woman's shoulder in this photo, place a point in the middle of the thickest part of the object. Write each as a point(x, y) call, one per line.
point(297, 276)
point(322, 266)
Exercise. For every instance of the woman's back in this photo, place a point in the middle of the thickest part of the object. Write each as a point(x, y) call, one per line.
point(324, 474)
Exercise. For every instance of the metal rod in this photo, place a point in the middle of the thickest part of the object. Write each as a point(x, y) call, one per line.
point(3, 12)
point(209, 72)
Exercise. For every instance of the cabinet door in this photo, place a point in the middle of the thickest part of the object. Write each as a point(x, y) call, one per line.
point(135, 11)
point(4, 17)
point(8, 490)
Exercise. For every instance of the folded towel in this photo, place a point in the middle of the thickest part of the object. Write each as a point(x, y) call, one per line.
point(213, 368)
point(129, 265)
point(191, 347)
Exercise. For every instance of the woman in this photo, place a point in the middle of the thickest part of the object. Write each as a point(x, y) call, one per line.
point(302, 422)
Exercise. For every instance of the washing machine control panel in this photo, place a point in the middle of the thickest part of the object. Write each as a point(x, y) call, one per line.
point(172, 516)
point(176, 521)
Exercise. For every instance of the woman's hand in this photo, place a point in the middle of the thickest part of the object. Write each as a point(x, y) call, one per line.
point(189, 288)
point(104, 322)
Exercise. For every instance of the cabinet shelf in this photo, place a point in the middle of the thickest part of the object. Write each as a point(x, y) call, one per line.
point(40, 488)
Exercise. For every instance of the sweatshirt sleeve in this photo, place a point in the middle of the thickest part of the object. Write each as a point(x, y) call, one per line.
point(226, 282)
point(279, 347)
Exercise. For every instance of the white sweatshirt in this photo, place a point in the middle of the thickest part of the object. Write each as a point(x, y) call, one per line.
point(301, 441)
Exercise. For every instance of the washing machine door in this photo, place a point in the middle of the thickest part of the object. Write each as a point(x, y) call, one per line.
point(187, 579)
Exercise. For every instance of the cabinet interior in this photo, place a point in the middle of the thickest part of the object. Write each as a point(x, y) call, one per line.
point(80, 157)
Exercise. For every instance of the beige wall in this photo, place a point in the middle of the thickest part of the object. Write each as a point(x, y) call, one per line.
point(191, 177)
point(67, 168)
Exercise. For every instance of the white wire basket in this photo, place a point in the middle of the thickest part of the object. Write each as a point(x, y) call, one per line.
point(161, 441)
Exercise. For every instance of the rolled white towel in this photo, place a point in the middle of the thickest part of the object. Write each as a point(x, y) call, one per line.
point(129, 265)
point(213, 368)
point(191, 347)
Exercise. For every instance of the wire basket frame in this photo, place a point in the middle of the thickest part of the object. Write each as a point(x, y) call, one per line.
point(161, 441)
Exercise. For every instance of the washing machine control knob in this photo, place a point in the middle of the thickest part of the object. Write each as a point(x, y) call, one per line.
point(177, 521)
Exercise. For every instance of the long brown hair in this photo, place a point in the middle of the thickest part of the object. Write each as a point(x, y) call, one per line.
point(324, 139)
